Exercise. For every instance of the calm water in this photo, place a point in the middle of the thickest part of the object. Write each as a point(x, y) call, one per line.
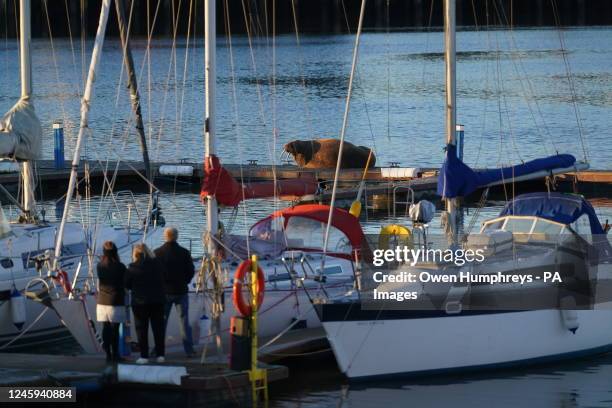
point(513, 98)
point(513, 95)
point(584, 383)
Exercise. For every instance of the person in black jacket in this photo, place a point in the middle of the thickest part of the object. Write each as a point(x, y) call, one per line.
point(145, 280)
point(110, 309)
point(179, 271)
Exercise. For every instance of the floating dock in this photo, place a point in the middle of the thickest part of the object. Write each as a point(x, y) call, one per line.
point(210, 384)
point(380, 181)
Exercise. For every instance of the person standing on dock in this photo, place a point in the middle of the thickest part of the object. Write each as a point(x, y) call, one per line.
point(110, 308)
point(145, 279)
point(179, 271)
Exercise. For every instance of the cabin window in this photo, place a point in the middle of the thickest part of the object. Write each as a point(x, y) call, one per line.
point(519, 225)
point(269, 230)
point(582, 227)
point(308, 233)
point(494, 225)
point(548, 228)
point(6, 263)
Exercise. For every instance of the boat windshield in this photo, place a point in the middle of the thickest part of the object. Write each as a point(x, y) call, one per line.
point(301, 233)
point(527, 228)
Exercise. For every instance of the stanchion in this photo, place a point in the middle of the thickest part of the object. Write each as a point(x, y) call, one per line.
point(258, 376)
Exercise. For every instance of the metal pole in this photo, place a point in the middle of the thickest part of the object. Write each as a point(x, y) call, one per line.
point(58, 135)
point(460, 141)
point(133, 85)
point(451, 88)
point(25, 38)
point(85, 103)
point(209, 125)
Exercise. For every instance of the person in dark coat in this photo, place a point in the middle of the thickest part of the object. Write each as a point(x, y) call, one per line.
point(145, 280)
point(110, 308)
point(179, 271)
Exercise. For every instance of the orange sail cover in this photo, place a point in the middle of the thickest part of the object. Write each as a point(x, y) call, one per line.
point(219, 183)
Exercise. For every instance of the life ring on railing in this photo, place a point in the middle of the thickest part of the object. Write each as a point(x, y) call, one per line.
point(402, 235)
point(242, 305)
point(62, 280)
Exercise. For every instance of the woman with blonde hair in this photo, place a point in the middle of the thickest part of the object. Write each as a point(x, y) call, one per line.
point(110, 308)
point(144, 278)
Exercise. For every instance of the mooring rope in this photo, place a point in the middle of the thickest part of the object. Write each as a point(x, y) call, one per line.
point(20, 335)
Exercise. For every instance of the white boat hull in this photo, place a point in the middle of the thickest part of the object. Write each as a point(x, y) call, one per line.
point(43, 326)
point(372, 348)
point(283, 304)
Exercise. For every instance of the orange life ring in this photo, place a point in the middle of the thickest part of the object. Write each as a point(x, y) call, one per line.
point(62, 279)
point(243, 306)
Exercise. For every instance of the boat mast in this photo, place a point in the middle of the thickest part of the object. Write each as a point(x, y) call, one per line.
point(133, 86)
point(209, 124)
point(25, 36)
point(451, 97)
point(85, 104)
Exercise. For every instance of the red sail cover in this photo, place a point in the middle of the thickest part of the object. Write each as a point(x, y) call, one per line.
point(220, 184)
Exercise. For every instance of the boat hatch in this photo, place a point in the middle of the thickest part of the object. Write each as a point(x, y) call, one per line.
point(331, 270)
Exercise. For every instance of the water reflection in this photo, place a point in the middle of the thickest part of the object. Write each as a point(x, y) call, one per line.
point(579, 383)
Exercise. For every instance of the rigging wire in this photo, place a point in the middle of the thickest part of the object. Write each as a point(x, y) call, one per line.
point(570, 79)
point(254, 63)
point(528, 93)
point(185, 73)
point(388, 52)
point(487, 91)
point(502, 100)
point(6, 47)
point(236, 114)
point(301, 68)
point(171, 69)
point(358, 82)
point(343, 132)
point(70, 38)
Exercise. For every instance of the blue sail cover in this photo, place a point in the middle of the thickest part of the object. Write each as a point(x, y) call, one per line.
point(559, 207)
point(457, 179)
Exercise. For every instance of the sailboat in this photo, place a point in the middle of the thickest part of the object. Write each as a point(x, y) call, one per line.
point(287, 242)
point(469, 326)
point(32, 246)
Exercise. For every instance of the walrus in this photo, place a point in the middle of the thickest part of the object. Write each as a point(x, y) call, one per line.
point(323, 154)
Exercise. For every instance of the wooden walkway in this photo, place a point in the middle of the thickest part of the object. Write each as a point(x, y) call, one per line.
point(206, 385)
point(250, 172)
point(130, 174)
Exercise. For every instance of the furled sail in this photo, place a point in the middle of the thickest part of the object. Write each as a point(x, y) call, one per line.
point(457, 179)
point(219, 183)
point(20, 132)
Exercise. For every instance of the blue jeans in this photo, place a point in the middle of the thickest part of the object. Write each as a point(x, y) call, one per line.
point(182, 308)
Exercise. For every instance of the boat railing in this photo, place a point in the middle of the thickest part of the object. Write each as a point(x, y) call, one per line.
point(125, 199)
point(406, 203)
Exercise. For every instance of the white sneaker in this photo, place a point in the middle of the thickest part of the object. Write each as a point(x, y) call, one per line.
point(142, 360)
point(160, 359)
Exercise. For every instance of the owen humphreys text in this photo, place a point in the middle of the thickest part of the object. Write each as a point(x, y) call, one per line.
point(459, 257)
